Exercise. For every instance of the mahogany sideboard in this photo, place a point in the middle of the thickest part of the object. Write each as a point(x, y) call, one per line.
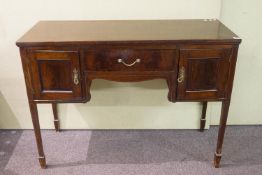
point(197, 59)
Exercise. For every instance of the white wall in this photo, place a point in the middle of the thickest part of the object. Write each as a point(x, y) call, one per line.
point(113, 105)
point(244, 17)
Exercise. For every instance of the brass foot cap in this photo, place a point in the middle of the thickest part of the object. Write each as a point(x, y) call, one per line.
point(42, 162)
point(216, 164)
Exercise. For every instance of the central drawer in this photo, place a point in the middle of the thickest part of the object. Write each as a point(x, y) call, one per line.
point(130, 60)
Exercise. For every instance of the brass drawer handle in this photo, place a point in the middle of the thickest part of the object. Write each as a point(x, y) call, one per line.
point(75, 76)
point(129, 65)
point(181, 75)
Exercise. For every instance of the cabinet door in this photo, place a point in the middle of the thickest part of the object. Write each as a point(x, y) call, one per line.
point(56, 75)
point(203, 73)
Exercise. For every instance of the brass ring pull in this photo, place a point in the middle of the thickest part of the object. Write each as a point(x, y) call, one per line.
point(129, 65)
point(75, 76)
point(181, 75)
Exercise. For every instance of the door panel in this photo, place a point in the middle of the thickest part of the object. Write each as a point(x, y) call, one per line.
point(204, 73)
point(52, 72)
point(56, 75)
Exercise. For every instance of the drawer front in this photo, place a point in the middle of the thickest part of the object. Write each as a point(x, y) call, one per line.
point(130, 60)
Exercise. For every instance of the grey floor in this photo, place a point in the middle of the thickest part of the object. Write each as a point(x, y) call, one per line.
point(136, 152)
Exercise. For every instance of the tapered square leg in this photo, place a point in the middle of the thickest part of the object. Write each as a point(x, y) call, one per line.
point(56, 120)
point(38, 137)
point(221, 132)
point(203, 116)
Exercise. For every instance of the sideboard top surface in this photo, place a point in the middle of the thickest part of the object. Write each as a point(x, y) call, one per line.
point(199, 30)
